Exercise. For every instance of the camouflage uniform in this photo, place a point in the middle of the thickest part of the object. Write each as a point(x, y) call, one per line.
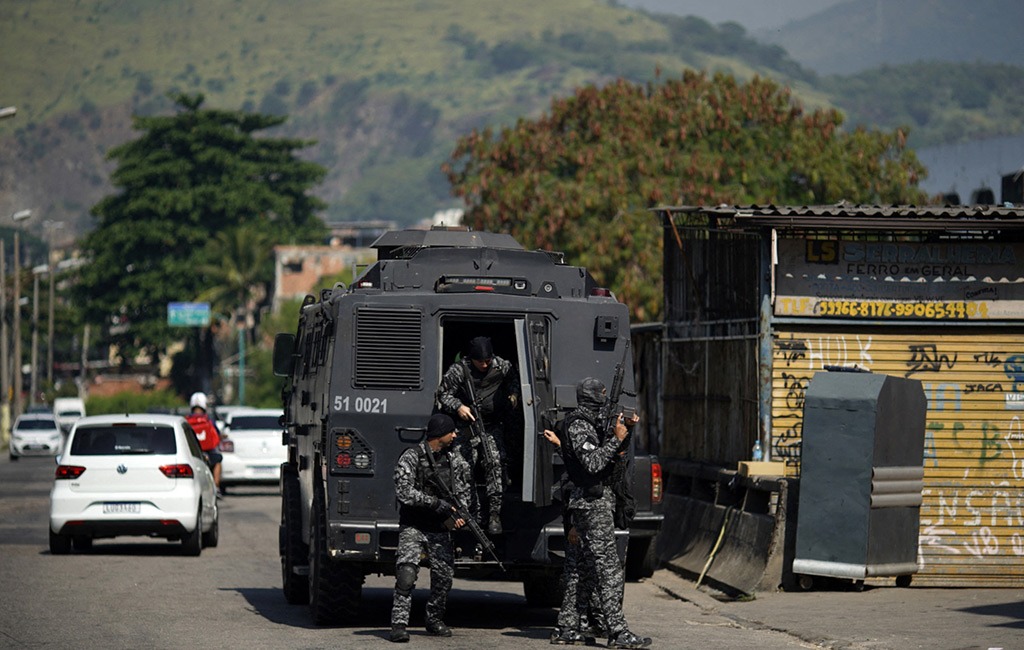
point(578, 576)
point(495, 391)
point(422, 513)
point(590, 462)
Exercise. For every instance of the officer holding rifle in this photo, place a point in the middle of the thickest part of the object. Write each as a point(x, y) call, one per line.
point(483, 389)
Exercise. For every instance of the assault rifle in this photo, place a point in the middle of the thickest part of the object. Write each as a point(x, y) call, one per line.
point(461, 511)
point(608, 416)
point(476, 425)
point(625, 503)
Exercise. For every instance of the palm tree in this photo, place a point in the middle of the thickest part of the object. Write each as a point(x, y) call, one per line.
point(239, 279)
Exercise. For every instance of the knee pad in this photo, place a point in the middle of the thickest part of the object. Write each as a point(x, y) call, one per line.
point(405, 578)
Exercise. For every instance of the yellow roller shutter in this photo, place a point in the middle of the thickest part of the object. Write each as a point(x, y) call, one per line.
point(972, 518)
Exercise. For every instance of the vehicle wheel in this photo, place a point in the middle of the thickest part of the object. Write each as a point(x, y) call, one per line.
point(543, 590)
point(904, 581)
point(59, 544)
point(212, 536)
point(641, 560)
point(14, 457)
point(193, 542)
point(335, 588)
point(805, 582)
point(294, 552)
point(80, 543)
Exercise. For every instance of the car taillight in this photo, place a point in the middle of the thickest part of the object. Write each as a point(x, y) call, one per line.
point(656, 487)
point(177, 471)
point(69, 471)
point(227, 445)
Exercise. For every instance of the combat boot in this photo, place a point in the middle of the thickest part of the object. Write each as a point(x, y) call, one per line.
point(398, 634)
point(567, 637)
point(438, 629)
point(626, 639)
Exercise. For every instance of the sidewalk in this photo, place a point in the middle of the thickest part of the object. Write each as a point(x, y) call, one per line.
point(876, 618)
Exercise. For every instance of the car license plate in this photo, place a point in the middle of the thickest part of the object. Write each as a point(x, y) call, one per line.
point(121, 508)
point(264, 469)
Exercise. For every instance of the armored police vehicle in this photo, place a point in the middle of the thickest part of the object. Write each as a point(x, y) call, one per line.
point(362, 371)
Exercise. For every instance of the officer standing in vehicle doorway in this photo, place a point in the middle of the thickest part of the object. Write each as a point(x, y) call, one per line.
point(483, 385)
point(425, 519)
point(589, 461)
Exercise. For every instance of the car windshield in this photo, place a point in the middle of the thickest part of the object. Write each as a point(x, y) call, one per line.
point(114, 440)
point(244, 422)
point(70, 414)
point(35, 423)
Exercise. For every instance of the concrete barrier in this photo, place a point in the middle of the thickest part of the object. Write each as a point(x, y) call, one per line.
point(727, 530)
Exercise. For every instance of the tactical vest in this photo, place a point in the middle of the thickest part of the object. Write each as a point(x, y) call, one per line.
point(426, 519)
point(486, 389)
point(591, 484)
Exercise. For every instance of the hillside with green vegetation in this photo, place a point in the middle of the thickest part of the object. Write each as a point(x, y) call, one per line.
point(385, 89)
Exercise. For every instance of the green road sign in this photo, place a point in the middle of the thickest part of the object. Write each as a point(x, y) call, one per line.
point(188, 314)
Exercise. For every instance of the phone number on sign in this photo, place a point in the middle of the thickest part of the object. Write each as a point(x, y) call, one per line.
point(878, 309)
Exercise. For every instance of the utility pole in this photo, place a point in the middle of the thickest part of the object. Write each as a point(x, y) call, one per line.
point(17, 216)
point(49, 328)
point(33, 384)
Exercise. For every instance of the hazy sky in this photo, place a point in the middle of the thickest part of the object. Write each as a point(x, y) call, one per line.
point(752, 14)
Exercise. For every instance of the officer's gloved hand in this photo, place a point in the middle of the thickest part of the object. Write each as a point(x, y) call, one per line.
point(442, 507)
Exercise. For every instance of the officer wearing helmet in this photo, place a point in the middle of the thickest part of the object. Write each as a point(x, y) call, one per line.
point(425, 519)
point(590, 457)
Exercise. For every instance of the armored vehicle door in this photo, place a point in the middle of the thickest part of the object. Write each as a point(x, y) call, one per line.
point(533, 342)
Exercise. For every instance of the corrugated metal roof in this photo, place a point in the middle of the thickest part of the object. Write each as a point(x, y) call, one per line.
point(847, 217)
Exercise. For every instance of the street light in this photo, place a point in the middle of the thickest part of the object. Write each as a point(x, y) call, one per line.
point(18, 217)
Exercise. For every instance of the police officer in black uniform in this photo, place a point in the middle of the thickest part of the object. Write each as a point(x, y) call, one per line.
point(424, 517)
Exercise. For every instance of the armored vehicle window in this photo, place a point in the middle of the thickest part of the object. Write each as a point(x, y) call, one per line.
point(389, 349)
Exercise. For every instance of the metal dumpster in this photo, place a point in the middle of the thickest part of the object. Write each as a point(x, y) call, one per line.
point(861, 478)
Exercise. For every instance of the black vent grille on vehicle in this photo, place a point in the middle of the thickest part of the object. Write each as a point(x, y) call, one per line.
point(389, 348)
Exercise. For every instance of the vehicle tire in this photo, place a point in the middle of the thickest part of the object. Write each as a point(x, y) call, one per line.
point(641, 560)
point(192, 543)
point(212, 536)
point(335, 588)
point(59, 544)
point(14, 457)
point(294, 552)
point(543, 590)
point(80, 543)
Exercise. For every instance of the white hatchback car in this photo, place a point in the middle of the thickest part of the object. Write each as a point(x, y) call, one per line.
point(251, 444)
point(133, 474)
point(35, 434)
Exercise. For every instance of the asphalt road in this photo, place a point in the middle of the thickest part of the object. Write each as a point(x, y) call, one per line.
point(139, 593)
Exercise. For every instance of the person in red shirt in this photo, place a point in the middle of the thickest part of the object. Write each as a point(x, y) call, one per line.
point(206, 433)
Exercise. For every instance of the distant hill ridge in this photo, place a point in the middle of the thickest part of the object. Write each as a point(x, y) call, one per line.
point(856, 35)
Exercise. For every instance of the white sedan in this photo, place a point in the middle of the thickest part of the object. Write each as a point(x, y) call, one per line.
point(251, 444)
point(133, 474)
point(35, 434)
